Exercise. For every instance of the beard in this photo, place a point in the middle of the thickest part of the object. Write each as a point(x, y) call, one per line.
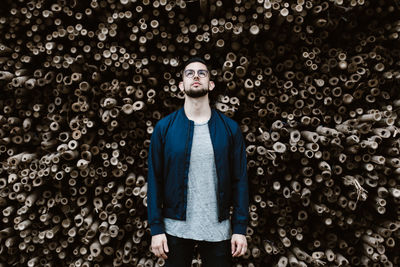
point(196, 93)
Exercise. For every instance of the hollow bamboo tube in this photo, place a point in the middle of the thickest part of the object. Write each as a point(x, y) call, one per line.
point(95, 249)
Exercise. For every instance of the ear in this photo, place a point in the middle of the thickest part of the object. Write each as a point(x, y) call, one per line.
point(211, 85)
point(180, 85)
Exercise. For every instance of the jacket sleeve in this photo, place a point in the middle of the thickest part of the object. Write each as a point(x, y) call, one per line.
point(154, 183)
point(240, 193)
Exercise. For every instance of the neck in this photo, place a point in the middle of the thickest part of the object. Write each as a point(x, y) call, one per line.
point(197, 109)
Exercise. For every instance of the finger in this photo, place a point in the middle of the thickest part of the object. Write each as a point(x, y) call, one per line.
point(238, 249)
point(165, 246)
point(243, 251)
point(156, 252)
point(233, 247)
point(162, 253)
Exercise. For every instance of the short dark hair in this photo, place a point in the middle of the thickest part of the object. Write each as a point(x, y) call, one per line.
point(194, 59)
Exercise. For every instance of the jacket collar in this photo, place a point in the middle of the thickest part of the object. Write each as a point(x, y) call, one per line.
point(182, 114)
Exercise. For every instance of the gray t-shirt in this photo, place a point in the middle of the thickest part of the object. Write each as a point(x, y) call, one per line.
point(202, 211)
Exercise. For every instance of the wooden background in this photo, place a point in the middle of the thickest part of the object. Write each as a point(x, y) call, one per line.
point(313, 84)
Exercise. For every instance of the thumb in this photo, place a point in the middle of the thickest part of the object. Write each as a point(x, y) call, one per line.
point(165, 246)
point(233, 246)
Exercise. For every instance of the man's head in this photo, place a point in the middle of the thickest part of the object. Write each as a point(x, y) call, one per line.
point(196, 78)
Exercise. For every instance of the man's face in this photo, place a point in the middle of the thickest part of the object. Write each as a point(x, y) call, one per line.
point(196, 80)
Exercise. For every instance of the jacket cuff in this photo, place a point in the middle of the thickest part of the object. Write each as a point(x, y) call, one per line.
point(239, 228)
point(157, 229)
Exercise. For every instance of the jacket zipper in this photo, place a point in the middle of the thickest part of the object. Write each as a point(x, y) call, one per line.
point(216, 170)
point(185, 176)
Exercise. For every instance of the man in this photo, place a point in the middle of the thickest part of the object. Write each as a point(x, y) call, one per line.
point(196, 172)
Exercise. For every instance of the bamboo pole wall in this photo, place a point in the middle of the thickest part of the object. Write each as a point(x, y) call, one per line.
point(313, 84)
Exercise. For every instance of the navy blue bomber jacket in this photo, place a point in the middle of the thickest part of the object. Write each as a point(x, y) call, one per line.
point(168, 168)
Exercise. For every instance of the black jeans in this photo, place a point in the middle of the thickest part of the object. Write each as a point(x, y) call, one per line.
point(212, 254)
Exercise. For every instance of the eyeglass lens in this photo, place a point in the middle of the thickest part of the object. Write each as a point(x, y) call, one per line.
point(201, 73)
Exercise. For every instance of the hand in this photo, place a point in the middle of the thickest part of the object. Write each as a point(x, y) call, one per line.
point(238, 244)
point(159, 245)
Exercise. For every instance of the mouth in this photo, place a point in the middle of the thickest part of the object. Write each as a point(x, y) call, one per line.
point(196, 83)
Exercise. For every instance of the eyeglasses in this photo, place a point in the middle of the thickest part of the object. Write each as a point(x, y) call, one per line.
point(201, 73)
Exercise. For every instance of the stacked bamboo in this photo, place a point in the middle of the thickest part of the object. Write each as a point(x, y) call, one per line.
point(313, 85)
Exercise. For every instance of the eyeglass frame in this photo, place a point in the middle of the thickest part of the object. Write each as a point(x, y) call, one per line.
point(194, 72)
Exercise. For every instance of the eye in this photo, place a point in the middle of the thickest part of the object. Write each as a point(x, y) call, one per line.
point(202, 73)
point(189, 73)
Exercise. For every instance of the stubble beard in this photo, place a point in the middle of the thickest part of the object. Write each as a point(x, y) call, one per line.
point(196, 93)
